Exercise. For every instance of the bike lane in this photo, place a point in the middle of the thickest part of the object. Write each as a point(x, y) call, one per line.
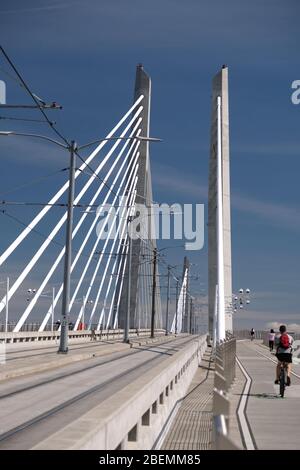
point(272, 421)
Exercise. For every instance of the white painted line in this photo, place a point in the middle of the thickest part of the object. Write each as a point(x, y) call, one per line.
point(241, 412)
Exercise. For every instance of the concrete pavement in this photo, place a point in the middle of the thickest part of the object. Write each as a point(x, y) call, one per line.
point(273, 422)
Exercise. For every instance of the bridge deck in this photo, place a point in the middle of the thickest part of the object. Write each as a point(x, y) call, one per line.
point(35, 357)
point(37, 405)
point(273, 422)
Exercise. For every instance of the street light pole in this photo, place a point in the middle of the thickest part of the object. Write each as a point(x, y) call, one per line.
point(153, 292)
point(168, 300)
point(83, 311)
point(6, 305)
point(176, 313)
point(52, 309)
point(191, 314)
point(73, 148)
point(63, 346)
point(127, 318)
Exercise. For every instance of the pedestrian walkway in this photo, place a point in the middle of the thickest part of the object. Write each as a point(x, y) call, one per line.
point(192, 426)
point(271, 422)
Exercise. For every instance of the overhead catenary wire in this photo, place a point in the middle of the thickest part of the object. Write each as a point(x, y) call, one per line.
point(58, 226)
point(51, 124)
point(123, 249)
point(61, 254)
point(129, 168)
point(132, 148)
point(86, 165)
point(120, 233)
point(37, 232)
point(133, 170)
point(10, 118)
point(60, 192)
point(37, 102)
point(32, 182)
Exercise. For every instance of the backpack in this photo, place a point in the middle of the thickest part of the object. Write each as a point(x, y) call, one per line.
point(284, 341)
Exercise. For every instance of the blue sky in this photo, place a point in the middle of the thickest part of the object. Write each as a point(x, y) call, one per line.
point(83, 55)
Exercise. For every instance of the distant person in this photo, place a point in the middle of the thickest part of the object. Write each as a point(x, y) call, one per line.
point(284, 342)
point(71, 325)
point(271, 339)
point(93, 334)
point(252, 334)
point(57, 323)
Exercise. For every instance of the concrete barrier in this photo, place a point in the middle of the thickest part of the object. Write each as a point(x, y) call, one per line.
point(134, 417)
point(28, 336)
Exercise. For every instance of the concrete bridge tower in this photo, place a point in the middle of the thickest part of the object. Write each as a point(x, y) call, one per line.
point(219, 89)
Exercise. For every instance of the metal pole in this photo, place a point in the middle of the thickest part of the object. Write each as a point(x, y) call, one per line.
point(63, 346)
point(153, 292)
point(52, 309)
point(6, 305)
point(221, 287)
point(127, 316)
point(176, 313)
point(83, 311)
point(191, 315)
point(168, 300)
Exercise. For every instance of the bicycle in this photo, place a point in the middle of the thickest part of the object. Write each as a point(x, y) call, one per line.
point(282, 378)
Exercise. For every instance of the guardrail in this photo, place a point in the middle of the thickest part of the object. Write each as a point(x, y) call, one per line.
point(27, 336)
point(260, 334)
point(220, 435)
point(225, 363)
point(134, 417)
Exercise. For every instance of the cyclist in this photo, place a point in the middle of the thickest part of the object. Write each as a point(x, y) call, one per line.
point(284, 353)
point(252, 333)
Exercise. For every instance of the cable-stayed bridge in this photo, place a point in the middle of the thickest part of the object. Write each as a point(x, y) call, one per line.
point(127, 382)
point(104, 200)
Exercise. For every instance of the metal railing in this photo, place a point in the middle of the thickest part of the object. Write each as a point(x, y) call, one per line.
point(225, 365)
point(225, 361)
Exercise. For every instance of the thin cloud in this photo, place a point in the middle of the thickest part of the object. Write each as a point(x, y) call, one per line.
point(57, 6)
point(167, 179)
point(177, 25)
point(279, 149)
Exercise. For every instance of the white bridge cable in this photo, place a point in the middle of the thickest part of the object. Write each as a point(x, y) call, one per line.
point(120, 266)
point(125, 249)
point(121, 288)
point(134, 144)
point(181, 305)
point(120, 291)
point(58, 226)
point(61, 191)
point(100, 235)
point(121, 248)
point(133, 170)
point(58, 259)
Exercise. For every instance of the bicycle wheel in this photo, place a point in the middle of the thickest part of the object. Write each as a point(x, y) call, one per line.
point(282, 382)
